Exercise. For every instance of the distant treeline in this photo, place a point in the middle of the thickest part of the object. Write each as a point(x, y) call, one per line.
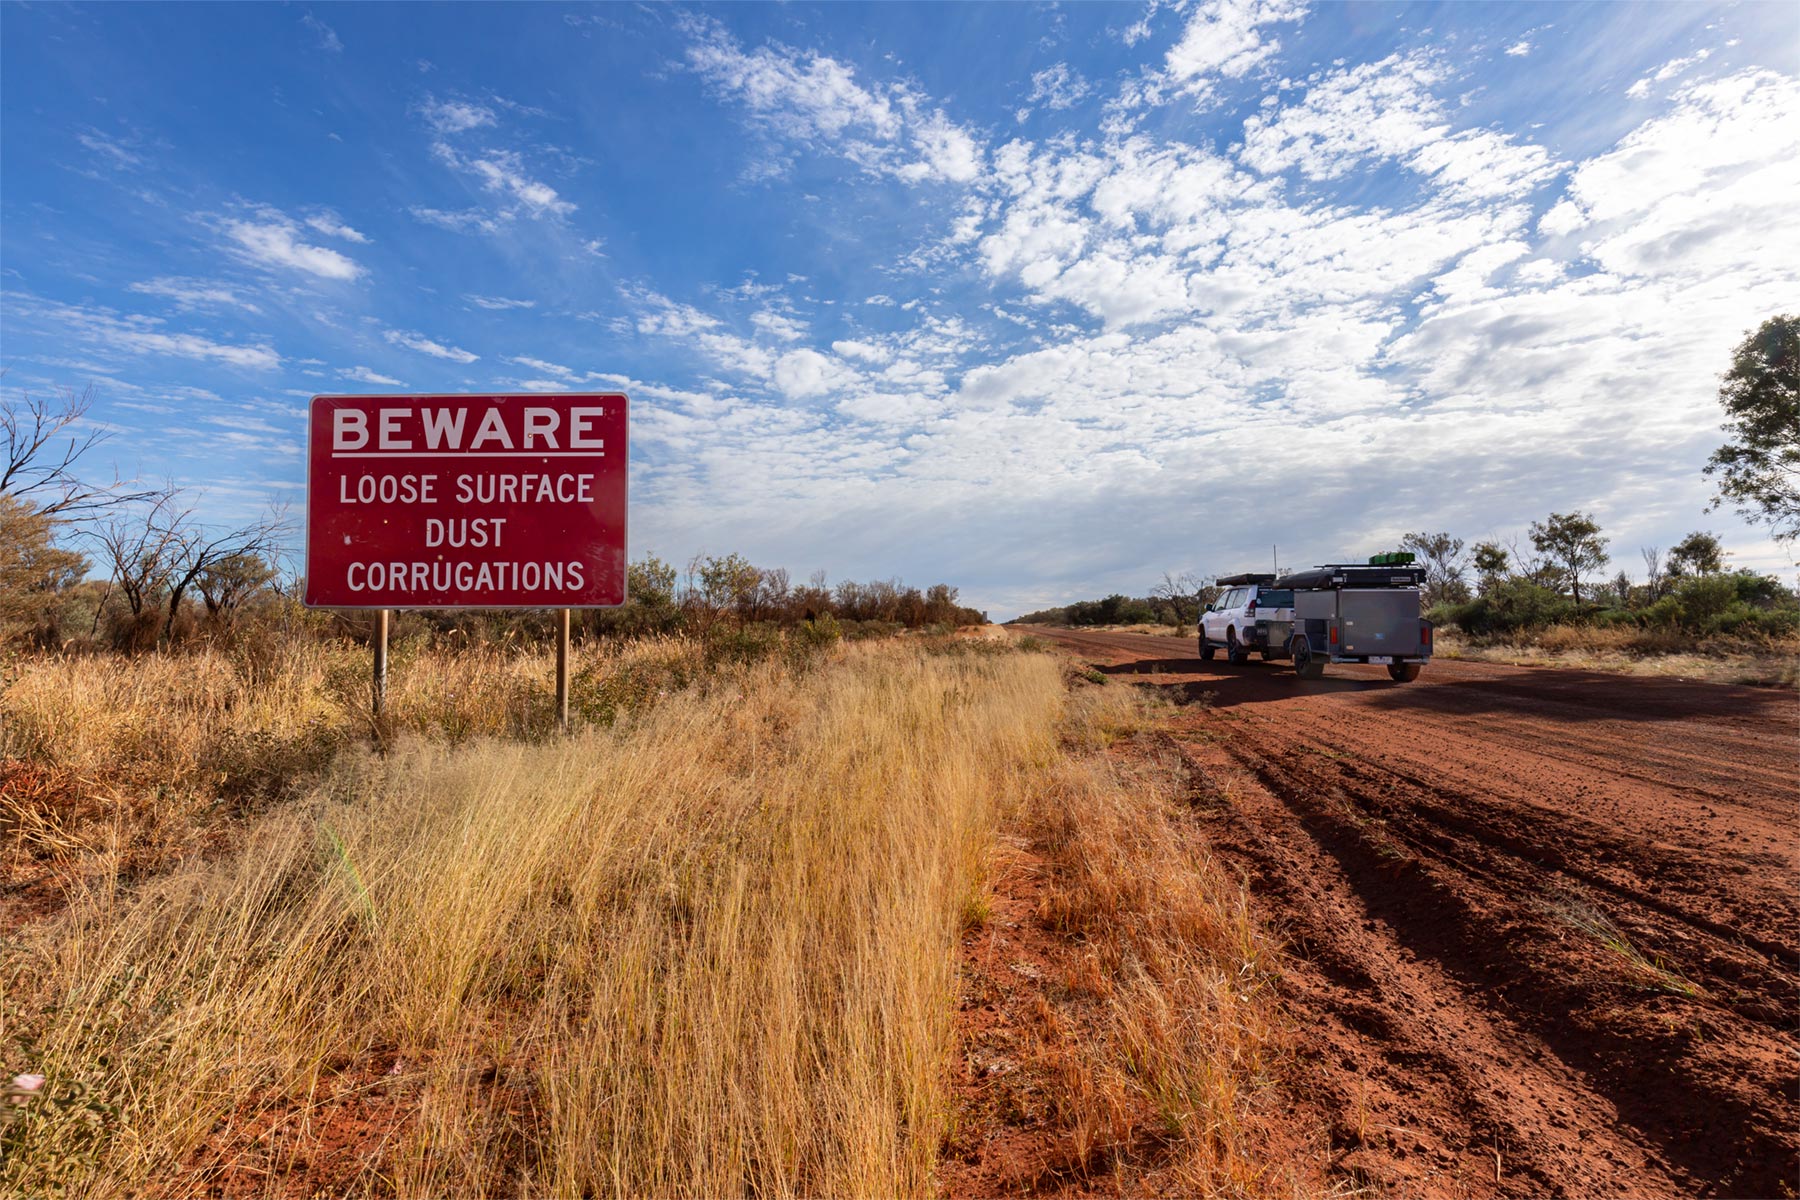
point(1112, 610)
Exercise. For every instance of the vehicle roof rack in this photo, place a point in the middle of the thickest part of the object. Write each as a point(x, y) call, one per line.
point(1328, 576)
point(1232, 580)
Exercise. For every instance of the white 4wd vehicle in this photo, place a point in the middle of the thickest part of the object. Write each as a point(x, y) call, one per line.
point(1239, 620)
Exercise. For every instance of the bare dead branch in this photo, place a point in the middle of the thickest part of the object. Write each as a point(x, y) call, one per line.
point(38, 462)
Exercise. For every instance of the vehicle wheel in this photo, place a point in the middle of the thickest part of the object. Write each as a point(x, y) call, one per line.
point(1206, 649)
point(1404, 672)
point(1305, 665)
point(1235, 654)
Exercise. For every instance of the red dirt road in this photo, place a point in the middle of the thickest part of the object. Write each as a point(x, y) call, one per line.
point(1543, 924)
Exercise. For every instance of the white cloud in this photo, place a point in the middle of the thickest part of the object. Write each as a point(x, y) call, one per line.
point(454, 116)
point(866, 351)
point(271, 239)
point(498, 303)
point(815, 100)
point(1562, 218)
point(946, 151)
point(1059, 87)
point(663, 317)
point(106, 330)
point(1698, 189)
point(803, 373)
point(1519, 49)
point(195, 293)
point(503, 171)
point(1668, 70)
point(802, 95)
point(1389, 110)
point(365, 375)
point(328, 224)
point(548, 368)
point(472, 220)
point(1225, 37)
point(114, 152)
point(1541, 270)
point(424, 345)
point(779, 326)
point(328, 38)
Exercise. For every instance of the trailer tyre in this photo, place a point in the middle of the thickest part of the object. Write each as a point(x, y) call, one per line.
point(1206, 649)
point(1235, 654)
point(1305, 665)
point(1403, 672)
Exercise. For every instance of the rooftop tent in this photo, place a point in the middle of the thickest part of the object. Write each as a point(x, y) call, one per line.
point(1351, 575)
point(1233, 580)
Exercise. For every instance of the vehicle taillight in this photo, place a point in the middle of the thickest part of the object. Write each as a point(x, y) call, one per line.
point(1251, 607)
point(1334, 635)
point(1425, 636)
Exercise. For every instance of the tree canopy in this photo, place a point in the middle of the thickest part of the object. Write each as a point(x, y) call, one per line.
point(1442, 557)
point(1698, 553)
point(1572, 541)
point(1758, 470)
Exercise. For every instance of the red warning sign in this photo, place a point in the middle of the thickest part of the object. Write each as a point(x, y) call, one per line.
point(467, 501)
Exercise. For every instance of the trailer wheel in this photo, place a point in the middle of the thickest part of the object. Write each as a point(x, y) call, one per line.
point(1206, 649)
point(1403, 672)
point(1305, 665)
point(1235, 654)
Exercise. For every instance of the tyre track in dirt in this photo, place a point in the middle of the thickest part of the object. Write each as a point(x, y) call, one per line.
point(1544, 922)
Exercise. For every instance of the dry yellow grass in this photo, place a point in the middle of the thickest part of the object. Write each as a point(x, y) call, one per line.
point(709, 951)
point(1194, 1026)
point(1637, 652)
point(150, 752)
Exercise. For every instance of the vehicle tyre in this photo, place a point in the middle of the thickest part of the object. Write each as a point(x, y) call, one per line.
point(1235, 654)
point(1404, 672)
point(1206, 648)
point(1306, 665)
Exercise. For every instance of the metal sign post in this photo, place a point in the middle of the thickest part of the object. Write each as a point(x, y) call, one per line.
point(562, 669)
point(381, 639)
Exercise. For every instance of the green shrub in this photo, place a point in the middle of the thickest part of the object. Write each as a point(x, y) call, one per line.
point(1514, 605)
point(820, 632)
point(1704, 600)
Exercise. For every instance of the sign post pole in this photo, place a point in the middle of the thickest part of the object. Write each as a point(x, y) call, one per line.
point(381, 639)
point(562, 669)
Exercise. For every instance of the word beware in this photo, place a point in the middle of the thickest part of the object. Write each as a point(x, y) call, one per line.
point(388, 430)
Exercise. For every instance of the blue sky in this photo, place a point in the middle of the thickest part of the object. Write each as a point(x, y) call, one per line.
point(1038, 300)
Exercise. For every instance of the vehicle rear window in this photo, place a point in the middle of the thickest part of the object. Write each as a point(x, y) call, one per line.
point(1275, 598)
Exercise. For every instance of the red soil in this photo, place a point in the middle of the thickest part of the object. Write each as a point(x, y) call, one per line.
point(1543, 923)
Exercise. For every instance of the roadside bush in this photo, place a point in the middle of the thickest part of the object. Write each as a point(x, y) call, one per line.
point(1701, 602)
point(1742, 604)
point(821, 632)
point(1513, 605)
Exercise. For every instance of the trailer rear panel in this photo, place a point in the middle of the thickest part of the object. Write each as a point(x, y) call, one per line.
point(1381, 622)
